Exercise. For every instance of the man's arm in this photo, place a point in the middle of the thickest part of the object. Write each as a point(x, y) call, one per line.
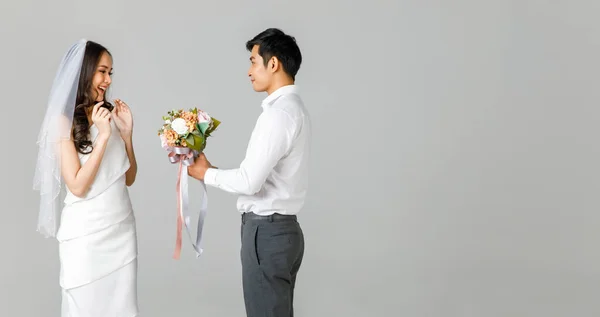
point(270, 141)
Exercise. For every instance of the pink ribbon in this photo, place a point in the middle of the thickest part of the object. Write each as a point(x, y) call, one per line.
point(182, 154)
point(185, 157)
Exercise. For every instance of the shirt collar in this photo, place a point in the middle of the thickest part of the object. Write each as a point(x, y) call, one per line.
point(288, 89)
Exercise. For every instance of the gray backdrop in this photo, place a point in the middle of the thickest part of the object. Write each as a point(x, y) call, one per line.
point(454, 164)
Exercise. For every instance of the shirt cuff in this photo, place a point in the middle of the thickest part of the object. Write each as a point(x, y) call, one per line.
point(210, 177)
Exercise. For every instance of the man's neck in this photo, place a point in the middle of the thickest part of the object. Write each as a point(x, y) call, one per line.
point(279, 83)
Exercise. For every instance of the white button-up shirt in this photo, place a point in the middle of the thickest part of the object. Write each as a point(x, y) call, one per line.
point(273, 177)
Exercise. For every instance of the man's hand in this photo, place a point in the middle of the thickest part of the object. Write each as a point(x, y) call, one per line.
point(198, 169)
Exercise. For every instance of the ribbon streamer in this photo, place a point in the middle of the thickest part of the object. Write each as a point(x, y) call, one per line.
point(185, 157)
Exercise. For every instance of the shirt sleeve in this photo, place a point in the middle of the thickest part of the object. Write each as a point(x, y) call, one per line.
point(271, 139)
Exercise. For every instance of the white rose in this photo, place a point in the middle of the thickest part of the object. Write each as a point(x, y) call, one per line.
point(179, 126)
point(167, 121)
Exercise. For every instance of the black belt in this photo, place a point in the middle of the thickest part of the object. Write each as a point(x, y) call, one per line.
point(250, 216)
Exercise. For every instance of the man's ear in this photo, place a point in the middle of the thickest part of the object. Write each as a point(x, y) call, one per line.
point(273, 64)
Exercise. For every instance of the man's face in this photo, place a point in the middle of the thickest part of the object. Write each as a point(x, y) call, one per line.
point(259, 75)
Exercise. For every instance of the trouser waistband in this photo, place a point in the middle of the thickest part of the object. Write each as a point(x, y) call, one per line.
point(250, 216)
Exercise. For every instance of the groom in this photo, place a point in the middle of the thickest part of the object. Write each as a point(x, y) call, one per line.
point(271, 180)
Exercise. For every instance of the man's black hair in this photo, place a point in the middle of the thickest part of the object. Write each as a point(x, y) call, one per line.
point(273, 42)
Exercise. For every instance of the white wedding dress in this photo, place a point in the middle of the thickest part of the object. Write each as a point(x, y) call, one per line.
point(98, 241)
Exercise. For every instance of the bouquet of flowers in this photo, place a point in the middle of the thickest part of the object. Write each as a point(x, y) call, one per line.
point(187, 130)
point(183, 135)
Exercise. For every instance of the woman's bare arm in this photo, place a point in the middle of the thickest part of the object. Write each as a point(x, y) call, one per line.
point(79, 178)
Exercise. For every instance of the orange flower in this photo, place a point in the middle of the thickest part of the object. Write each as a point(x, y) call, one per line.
point(190, 120)
point(171, 136)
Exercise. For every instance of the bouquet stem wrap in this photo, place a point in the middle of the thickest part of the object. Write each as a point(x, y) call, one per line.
point(185, 157)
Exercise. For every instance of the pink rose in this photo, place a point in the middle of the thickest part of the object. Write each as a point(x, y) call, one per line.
point(203, 117)
point(163, 142)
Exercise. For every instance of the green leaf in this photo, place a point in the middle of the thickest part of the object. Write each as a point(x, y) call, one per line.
point(203, 127)
point(212, 127)
point(190, 139)
point(197, 143)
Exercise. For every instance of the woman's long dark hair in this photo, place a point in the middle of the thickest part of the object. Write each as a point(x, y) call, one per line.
point(85, 97)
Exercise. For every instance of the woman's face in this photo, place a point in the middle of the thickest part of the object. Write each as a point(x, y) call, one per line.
point(101, 80)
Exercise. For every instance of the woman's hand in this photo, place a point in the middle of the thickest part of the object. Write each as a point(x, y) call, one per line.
point(101, 118)
point(123, 118)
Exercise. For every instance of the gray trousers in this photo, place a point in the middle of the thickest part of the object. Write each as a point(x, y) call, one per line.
point(271, 254)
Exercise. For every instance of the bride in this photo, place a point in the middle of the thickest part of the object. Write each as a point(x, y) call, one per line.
point(86, 143)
